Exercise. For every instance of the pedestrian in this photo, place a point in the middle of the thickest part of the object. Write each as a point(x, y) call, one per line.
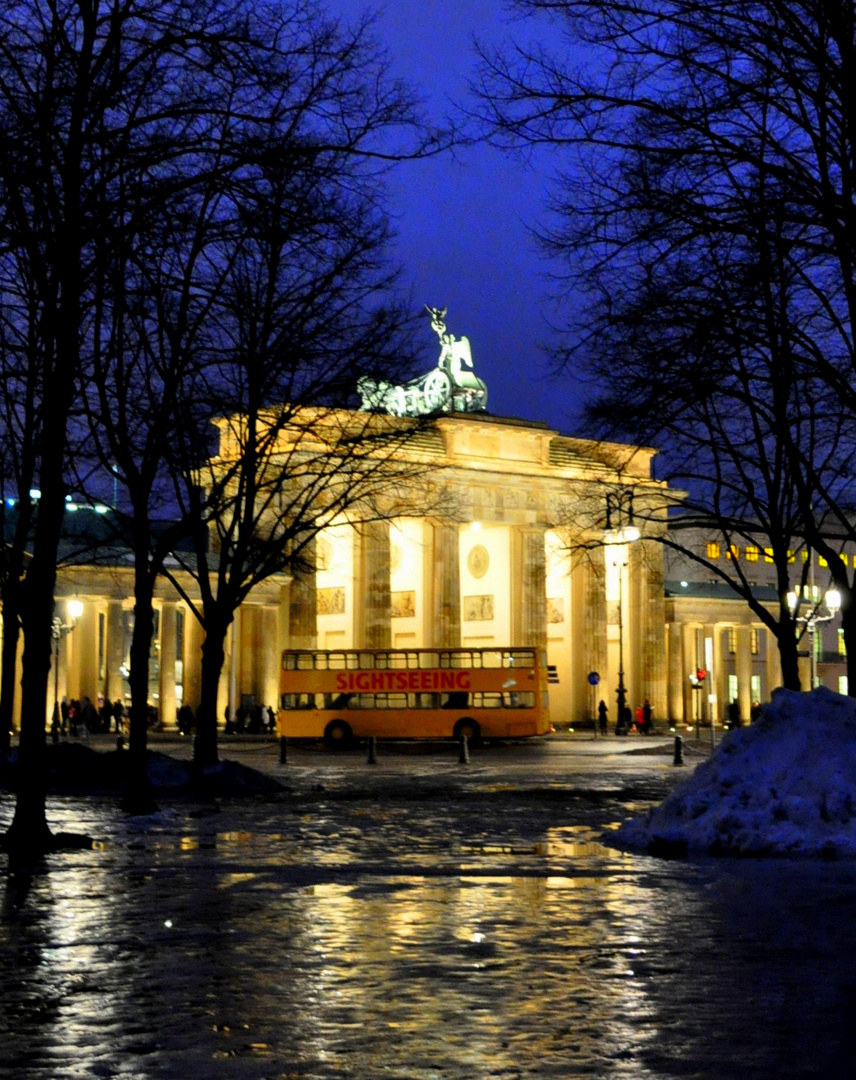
point(647, 718)
point(118, 715)
point(602, 716)
point(734, 714)
point(88, 717)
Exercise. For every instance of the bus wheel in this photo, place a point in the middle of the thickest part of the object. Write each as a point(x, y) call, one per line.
point(337, 734)
point(467, 726)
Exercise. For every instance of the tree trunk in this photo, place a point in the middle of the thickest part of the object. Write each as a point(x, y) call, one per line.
point(29, 834)
point(8, 665)
point(848, 625)
point(213, 654)
point(789, 657)
point(138, 798)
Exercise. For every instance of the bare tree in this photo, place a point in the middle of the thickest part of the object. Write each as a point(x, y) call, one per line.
point(116, 117)
point(706, 213)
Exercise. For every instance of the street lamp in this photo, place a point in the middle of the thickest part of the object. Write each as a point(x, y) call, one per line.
point(59, 629)
point(811, 621)
point(620, 505)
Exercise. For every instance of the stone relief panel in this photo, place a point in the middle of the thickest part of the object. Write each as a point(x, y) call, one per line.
point(478, 608)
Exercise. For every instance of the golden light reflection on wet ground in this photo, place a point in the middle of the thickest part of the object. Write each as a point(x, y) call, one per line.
point(476, 938)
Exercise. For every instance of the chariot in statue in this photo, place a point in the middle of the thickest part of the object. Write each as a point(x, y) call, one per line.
point(452, 386)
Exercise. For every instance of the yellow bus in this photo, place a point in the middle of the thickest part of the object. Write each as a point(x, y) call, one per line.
point(342, 695)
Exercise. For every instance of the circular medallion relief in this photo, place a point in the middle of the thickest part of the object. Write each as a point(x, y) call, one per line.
point(478, 561)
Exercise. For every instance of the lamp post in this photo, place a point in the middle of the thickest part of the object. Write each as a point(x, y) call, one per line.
point(59, 630)
point(811, 621)
point(620, 506)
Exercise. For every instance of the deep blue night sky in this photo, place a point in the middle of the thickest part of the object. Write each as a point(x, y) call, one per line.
point(463, 222)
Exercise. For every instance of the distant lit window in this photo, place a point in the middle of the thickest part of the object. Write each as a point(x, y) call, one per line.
point(752, 553)
point(754, 641)
point(713, 550)
point(842, 685)
point(733, 552)
point(790, 556)
point(843, 556)
point(804, 555)
point(821, 562)
point(732, 639)
point(842, 647)
point(768, 555)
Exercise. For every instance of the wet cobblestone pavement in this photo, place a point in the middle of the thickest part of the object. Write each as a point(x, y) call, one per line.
point(417, 920)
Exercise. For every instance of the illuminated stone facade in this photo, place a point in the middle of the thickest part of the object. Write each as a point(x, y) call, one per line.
point(517, 557)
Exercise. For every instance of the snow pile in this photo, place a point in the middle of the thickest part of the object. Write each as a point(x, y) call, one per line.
point(784, 786)
point(75, 767)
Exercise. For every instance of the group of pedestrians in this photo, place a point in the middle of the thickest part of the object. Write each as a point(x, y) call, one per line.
point(255, 720)
point(643, 721)
point(79, 717)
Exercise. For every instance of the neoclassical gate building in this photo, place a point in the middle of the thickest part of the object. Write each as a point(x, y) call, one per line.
point(531, 550)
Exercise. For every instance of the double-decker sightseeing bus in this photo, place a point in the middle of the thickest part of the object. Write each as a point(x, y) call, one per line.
point(342, 695)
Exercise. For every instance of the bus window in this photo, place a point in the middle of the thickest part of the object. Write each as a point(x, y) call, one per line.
point(457, 699)
point(423, 701)
point(297, 701)
point(487, 700)
point(390, 701)
point(522, 699)
point(335, 701)
point(491, 658)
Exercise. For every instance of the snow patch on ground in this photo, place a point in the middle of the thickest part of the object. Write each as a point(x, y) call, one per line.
point(786, 785)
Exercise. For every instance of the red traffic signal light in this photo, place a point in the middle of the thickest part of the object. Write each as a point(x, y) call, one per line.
point(700, 674)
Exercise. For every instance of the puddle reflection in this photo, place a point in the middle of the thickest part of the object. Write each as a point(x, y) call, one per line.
point(488, 941)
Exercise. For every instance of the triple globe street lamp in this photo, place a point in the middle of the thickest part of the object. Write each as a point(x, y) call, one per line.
point(812, 619)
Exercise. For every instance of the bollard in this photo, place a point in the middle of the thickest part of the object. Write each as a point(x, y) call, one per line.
point(464, 757)
point(283, 752)
point(679, 750)
point(372, 758)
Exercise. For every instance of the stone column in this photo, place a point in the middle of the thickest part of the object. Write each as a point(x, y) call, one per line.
point(83, 655)
point(691, 660)
point(714, 684)
point(283, 619)
point(677, 675)
point(774, 663)
point(303, 608)
point(268, 691)
point(744, 671)
point(529, 596)
point(115, 649)
point(166, 688)
point(372, 627)
point(652, 623)
point(581, 655)
point(193, 637)
point(591, 636)
point(446, 591)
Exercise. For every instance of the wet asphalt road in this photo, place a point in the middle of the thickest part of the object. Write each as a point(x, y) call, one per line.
point(420, 918)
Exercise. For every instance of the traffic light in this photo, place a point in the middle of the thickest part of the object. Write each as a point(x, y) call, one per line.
point(700, 674)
